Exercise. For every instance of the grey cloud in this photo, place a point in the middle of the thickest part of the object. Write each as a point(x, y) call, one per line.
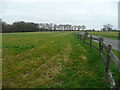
point(92, 14)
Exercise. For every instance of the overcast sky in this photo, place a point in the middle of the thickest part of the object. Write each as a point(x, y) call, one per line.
point(92, 13)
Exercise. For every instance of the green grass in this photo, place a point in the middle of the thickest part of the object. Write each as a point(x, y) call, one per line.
point(116, 53)
point(50, 59)
point(113, 35)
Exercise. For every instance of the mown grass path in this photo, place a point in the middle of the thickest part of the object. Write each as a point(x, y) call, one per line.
point(50, 59)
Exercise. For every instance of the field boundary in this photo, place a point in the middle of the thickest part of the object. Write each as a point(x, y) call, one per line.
point(106, 60)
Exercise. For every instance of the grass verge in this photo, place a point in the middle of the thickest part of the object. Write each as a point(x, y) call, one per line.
point(114, 70)
point(112, 35)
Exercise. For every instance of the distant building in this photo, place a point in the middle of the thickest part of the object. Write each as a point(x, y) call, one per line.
point(119, 15)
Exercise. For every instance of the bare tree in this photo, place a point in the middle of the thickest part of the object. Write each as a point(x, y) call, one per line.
point(107, 27)
point(55, 27)
point(42, 26)
point(51, 26)
point(83, 27)
point(79, 27)
point(63, 27)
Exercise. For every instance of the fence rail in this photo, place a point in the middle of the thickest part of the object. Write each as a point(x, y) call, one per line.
point(106, 60)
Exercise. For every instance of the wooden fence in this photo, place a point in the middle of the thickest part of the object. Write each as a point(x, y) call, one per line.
point(106, 60)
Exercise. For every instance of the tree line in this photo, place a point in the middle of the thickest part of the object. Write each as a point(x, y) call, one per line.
point(22, 26)
point(61, 27)
point(19, 27)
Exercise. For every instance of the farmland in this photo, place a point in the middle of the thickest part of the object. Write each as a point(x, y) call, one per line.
point(50, 59)
point(113, 35)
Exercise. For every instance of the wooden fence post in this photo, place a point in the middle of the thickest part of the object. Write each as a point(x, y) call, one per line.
point(90, 41)
point(78, 36)
point(81, 36)
point(86, 34)
point(84, 38)
point(100, 45)
point(108, 75)
point(107, 64)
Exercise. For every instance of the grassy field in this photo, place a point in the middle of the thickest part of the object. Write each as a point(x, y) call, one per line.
point(50, 59)
point(113, 35)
